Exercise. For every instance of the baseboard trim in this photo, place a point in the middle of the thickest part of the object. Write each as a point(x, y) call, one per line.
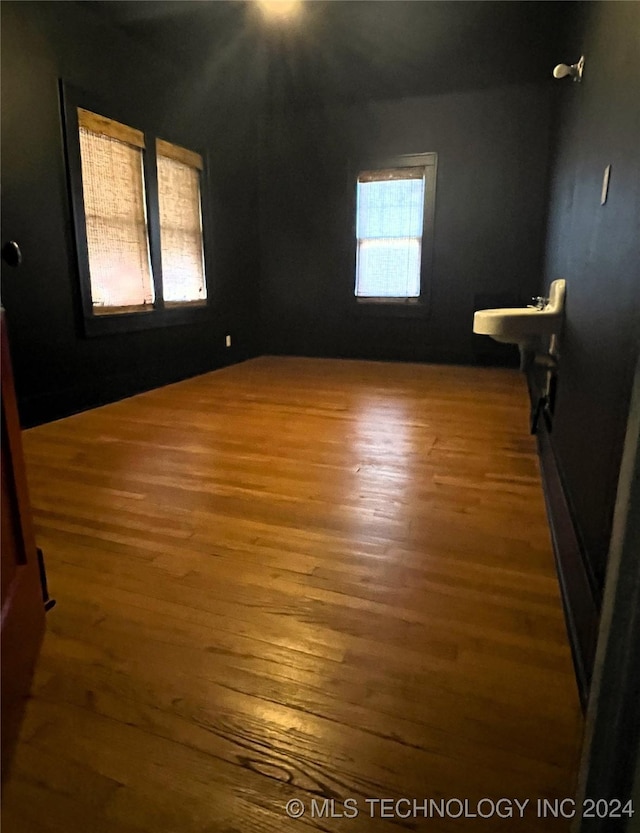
point(581, 608)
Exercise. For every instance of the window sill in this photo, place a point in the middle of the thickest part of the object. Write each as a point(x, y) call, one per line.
point(185, 304)
point(100, 312)
point(391, 307)
point(108, 323)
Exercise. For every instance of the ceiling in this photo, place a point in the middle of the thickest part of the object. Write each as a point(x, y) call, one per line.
point(346, 50)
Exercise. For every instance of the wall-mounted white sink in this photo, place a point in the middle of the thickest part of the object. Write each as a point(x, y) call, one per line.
point(523, 325)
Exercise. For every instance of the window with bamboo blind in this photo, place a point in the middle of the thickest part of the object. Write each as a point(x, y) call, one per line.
point(115, 214)
point(138, 217)
point(394, 213)
point(180, 223)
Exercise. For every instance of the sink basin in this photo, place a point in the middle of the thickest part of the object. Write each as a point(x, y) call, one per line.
point(523, 325)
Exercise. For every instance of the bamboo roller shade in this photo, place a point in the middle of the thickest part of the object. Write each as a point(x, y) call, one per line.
point(124, 133)
point(390, 174)
point(179, 154)
point(109, 127)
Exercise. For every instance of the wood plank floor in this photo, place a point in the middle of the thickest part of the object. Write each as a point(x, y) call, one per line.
point(296, 579)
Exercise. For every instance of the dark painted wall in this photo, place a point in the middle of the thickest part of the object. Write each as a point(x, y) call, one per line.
point(57, 369)
point(597, 249)
point(489, 226)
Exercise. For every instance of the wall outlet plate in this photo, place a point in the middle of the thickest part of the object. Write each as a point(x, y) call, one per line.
point(227, 341)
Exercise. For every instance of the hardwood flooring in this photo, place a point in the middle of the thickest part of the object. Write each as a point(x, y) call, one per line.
point(296, 579)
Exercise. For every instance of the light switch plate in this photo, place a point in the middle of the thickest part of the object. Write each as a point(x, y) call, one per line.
point(605, 185)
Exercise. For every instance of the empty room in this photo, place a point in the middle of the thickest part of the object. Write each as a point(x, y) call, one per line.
point(320, 416)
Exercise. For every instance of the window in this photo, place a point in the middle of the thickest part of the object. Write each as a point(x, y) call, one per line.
point(394, 213)
point(139, 223)
point(180, 223)
point(115, 215)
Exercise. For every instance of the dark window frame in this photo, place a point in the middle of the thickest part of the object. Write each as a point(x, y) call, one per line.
point(158, 315)
point(401, 307)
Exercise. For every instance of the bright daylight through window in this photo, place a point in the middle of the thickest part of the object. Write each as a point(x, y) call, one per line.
point(118, 220)
point(389, 227)
point(180, 224)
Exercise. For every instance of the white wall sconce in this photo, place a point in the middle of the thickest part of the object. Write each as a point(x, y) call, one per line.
point(573, 71)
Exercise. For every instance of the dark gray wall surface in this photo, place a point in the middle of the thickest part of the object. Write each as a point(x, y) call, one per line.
point(344, 51)
point(596, 249)
point(492, 150)
point(57, 369)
